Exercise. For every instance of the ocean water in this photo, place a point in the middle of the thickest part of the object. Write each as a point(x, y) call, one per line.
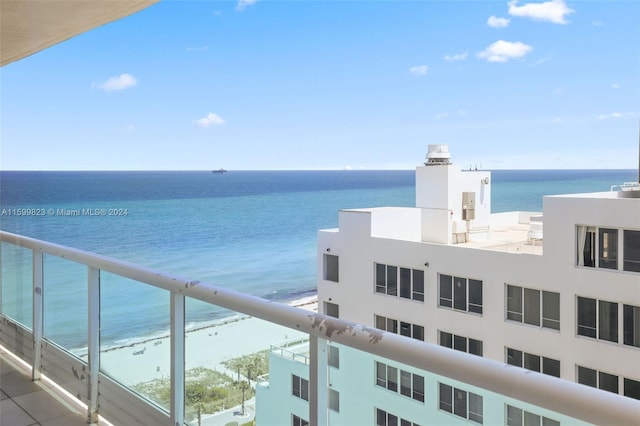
point(253, 231)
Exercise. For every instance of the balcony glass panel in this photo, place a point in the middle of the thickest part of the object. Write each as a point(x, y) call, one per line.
point(134, 343)
point(16, 283)
point(227, 360)
point(65, 303)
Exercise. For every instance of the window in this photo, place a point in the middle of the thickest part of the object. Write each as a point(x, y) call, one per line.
point(533, 362)
point(631, 251)
point(519, 417)
point(608, 321)
point(418, 285)
point(600, 318)
point(407, 329)
point(298, 421)
point(386, 376)
point(334, 356)
point(599, 248)
point(411, 385)
point(461, 403)
point(332, 309)
point(608, 382)
point(586, 246)
point(608, 250)
point(386, 324)
point(460, 293)
point(300, 387)
point(334, 400)
point(631, 325)
point(632, 388)
point(405, 283)
point(586, 317)
point(387, 419)
point(411, 282)
point(331, 268)
point(598, 379)
point(418, 387)
point(386, 279)
point(534, 307)
point(405, 383)
point(461, 343)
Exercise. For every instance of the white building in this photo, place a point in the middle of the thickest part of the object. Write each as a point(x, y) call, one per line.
point(451, 273)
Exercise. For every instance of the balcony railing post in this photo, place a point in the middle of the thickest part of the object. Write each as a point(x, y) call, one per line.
point(37, 308)
point(177, 358)
point(318, 381)
point(94, 343)
point(313, 380)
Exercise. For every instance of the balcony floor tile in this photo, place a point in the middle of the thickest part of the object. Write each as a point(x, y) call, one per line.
point(24, 402)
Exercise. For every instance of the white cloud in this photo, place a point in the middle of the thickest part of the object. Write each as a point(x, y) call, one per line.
point(419, 70)
point(197, 49)
point(496, 22)
point(457, 57)
point(618, 115)
point(597, 23)
point(502, 51)
point(440, 116)
point(551, 11)
point(243, 4)
point(121, 82)
point(615, 86)
point(210, 120)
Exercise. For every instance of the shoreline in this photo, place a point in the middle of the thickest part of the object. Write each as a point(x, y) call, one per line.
point(205, 346)
point(307, 302)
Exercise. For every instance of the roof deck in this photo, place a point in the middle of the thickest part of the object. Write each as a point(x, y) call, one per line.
point(512, 232)
point(515, 238)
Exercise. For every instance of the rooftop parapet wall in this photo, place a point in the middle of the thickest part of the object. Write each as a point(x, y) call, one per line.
point(397, 223)
point(422, 224)
point(400, 223)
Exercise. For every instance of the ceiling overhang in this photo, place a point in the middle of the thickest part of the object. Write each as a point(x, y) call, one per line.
point(29, 26)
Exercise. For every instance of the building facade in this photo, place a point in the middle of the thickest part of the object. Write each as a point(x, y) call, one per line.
point(562, 300)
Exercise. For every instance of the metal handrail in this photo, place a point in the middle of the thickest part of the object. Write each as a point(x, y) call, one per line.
point(562, 396)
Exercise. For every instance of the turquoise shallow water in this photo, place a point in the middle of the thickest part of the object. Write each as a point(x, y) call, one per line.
point(251, 231)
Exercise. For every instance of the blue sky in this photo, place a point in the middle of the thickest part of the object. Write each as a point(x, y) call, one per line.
point(259, 85)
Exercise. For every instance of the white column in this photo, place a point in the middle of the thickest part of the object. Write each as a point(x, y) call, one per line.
point(93, 282)
point(38, 284)
point(177, 358)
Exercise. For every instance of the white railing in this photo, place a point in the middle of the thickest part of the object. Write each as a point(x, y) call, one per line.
point(283, 350)
point(114, 401)
point(626, 186)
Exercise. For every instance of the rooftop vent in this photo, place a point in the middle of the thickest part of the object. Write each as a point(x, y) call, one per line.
point(438, 155)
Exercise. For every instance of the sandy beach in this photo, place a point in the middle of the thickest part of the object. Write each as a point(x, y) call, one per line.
point(205, 347)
